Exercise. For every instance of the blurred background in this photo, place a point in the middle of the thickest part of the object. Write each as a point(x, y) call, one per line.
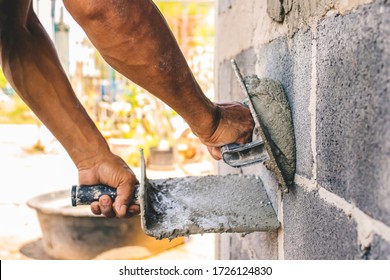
point(33, 163)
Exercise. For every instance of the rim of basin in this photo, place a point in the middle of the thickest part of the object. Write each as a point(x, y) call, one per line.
point(59, 203)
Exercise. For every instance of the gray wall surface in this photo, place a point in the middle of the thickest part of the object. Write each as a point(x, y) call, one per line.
point(333, 60)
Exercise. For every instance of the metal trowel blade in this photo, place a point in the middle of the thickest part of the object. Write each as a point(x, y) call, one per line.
point(206, 204)
point(194, 205)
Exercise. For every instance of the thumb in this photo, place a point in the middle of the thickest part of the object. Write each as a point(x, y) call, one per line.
point(215, 152)
point(124, 194)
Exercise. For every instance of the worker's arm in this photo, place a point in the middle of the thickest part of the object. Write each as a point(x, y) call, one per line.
point(31, 65)
point(134, 38)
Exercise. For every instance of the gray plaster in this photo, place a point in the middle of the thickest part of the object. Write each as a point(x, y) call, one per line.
point(276, 130)
point(290, 64)
point(353, 103)
point(196, 205)
point(246, 60)
point(298, 14)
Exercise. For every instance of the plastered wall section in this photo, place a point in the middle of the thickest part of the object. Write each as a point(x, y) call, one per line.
point(333, 60)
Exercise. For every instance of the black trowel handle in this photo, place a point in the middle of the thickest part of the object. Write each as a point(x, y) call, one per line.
point(85, 195)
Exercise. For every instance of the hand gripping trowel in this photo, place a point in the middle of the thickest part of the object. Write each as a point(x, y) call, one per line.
point(233, 203)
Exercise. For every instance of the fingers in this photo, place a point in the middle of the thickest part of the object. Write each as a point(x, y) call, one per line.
point(114, 172)
point(215, 152)
point(124, 195)
point(121, 201)
point(103, 207)
point(95, 209)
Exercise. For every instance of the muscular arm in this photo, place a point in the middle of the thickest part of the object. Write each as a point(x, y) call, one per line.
point(31, 65)
point(135, 39)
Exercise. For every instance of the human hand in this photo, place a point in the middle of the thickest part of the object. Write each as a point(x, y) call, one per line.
point(110, 170)
point(232, 124)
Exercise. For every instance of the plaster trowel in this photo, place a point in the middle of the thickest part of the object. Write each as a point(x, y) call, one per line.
point(273, 140)
point(195, 204)
point(231, 203)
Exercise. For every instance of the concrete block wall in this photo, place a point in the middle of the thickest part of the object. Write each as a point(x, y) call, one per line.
point(333, 60)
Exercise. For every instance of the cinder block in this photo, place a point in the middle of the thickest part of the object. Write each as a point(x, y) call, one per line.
point(224, 82)
point(353, 103)
point(379, 250)
point(228, 90)
point(261, 245)
point(254, 246)
point(269, 181)
point(246, 61)
point(224, 169)
point(228, 86)
point(291, 65)
point(314, 229)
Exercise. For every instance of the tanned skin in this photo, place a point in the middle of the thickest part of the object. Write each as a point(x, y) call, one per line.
point(134, 38)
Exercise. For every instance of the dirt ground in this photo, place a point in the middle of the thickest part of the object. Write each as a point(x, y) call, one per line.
point(26, 174)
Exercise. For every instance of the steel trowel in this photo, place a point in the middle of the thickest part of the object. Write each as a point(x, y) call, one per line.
point(216, 204)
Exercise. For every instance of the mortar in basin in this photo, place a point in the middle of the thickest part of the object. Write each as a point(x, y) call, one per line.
point(75, 233)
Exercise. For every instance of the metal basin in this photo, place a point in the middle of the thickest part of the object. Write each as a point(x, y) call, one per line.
point(75, 233)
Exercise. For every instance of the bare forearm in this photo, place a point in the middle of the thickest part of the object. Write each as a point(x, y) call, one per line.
point(134, 38)
point(31, 65)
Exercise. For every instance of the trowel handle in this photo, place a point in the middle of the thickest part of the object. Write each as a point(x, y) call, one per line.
point(246, 154)
point(85, 195)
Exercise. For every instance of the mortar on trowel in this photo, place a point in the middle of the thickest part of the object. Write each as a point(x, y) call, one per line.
point(216, 204)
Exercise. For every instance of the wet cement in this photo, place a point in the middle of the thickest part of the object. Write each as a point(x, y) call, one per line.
point(206, 204)
point(274, 114)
